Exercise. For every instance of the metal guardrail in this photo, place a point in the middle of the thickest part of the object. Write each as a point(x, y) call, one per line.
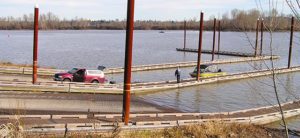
point(84, 116)
point(155, 115)
point(153, 120)
point(106, 126)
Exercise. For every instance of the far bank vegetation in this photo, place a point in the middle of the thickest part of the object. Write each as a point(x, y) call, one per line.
point(236, 20)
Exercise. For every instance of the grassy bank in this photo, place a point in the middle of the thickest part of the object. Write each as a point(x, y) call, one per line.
point(208, 130)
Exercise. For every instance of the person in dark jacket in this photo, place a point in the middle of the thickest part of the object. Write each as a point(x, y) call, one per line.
point(177, 74)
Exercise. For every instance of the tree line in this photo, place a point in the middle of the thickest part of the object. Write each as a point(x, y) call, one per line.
point(236, 20)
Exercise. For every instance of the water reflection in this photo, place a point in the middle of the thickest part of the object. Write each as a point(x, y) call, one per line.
point(68, 49)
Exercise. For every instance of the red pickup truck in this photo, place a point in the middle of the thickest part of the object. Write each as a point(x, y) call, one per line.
point(81, 75)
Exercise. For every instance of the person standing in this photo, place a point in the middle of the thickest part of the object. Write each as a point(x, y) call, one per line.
point(177, 74)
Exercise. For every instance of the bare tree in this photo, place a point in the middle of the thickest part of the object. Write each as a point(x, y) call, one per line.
point(270, 26)
point(238, 20)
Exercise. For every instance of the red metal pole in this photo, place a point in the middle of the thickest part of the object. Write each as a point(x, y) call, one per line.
point(214, 41)
point(184, 45)
point(291, 42)
point(35, 44)
point(200, 46)
point(219, 37)
point(128, 62)
point(262, 36)
point(256, 41)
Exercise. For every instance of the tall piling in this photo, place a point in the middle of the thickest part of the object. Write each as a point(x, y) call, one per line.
point(291, 42)
point(200, 45)
point(214, 41)
point(184, 36)
point(261, 36)
point(128, 62)
point(219, 36)
point(256, 40)
point(35, 44)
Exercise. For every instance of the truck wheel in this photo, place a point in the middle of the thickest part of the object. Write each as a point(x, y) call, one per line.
point(95, 81)
point(67, 80)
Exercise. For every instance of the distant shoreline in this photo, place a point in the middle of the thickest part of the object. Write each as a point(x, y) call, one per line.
point(236, 21)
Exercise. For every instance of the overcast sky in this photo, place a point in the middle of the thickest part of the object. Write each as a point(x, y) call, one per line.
point(116, 9)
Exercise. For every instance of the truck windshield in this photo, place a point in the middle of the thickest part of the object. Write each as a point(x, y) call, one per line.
point(72, 71)
point(202, 68)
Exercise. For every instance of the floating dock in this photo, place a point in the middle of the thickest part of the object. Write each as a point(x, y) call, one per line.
point(51, 72)
point(227, 53)
point(54, 123)
point(136, 88)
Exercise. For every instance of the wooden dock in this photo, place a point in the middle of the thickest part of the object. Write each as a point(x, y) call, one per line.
point(54, 123)
point(51, 72)
point(136, 88)
point(227, 53)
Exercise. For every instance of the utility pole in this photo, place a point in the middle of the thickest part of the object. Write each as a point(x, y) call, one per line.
point(35, 44)
point(262, 36)
point(184, 43)
point(219, 37)
point(200, 46)
point(256, 40)
point(291, 42)
point(128, 61)
point(214, 40)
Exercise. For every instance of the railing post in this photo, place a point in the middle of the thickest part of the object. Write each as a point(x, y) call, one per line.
point(200, 45)
point(256, 40)
point(214, 41)
point(35, 44)
point(291, 42)
point(128, 62)
point(219, 37)
point(184, 41)
point(262, 36)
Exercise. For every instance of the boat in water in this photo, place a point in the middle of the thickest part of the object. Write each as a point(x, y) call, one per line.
point(208, 70)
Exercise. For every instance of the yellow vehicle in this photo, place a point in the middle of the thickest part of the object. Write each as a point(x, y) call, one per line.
point(208, 71)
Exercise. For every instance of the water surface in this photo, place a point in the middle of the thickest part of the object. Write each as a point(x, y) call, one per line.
point(90, 48)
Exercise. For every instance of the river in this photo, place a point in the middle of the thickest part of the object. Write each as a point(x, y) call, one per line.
point(90, 48)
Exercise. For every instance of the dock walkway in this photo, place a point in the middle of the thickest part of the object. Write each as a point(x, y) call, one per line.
point(51, 72)
point(54, 123)
point(136, 88)
point(227, 53)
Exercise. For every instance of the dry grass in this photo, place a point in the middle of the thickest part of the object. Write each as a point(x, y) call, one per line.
point(12, 130)
point(9, 64)
point(208, 130)
point(218, 130)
